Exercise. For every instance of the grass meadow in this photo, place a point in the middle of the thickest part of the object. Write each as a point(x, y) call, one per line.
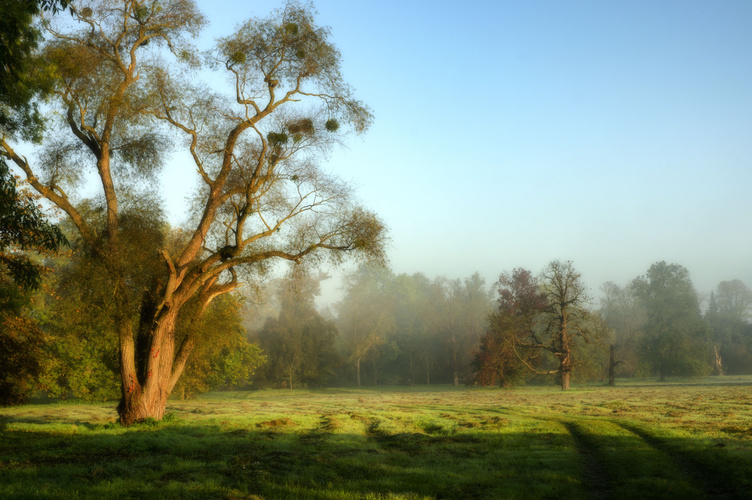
point(683, 439)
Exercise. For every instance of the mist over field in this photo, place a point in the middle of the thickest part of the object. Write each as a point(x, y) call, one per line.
point(614, 136)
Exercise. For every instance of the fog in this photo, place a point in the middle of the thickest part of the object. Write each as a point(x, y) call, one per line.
point(508, 135)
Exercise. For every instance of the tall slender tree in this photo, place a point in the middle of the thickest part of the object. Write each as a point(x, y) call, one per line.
point(624, 315)
point(366, 314)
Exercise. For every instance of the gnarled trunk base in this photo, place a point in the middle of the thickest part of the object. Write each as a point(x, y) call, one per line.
point(148, 374)
point(138, 407)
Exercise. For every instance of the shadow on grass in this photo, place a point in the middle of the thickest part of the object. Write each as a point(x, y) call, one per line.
point(212, 461)
point(180, 460)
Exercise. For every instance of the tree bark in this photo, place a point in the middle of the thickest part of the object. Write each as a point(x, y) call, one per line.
point(147, 375)
point(717, 362)
point(565, 380)
point(565, 366)
point(612, 367)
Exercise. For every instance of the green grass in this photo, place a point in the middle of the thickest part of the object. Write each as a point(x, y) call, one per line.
point(686, 439)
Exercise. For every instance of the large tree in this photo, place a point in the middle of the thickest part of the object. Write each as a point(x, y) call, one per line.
point(461, 323)
point(675, 340)
point(263, 196)
point(299, 343)
point(520, 302)
point(564, 322)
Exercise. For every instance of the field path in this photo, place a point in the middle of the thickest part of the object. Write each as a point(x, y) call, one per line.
point(596, 477)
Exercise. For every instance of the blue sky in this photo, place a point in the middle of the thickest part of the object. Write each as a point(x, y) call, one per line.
point(508, 134)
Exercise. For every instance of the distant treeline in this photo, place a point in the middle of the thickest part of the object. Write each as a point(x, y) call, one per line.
point(399, 329)
point(388, 330)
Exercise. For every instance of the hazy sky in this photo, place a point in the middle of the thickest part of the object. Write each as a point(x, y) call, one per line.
point(510, 133)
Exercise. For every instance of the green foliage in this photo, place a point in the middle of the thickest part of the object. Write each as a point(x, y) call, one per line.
point(21, 343)
point(23, 227)
point(23, 75)
point(299, 343)
point(728, 315)
point(332, 125)
point(223, 357)
point(276, 139)
point(81, 357)
point(676, 337)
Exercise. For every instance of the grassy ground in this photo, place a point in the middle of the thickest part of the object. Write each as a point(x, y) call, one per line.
point(647, 440)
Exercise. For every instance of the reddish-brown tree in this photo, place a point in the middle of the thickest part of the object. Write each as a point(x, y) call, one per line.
point(498, 361)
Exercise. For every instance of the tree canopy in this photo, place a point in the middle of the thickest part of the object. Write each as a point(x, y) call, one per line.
point(675, 334)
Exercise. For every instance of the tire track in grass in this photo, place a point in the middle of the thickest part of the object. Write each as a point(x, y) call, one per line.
point(596, 477)
point(632, 468)
point(712, 482)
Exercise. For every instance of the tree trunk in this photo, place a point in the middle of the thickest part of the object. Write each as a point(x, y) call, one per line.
point(357, 370)
point(565, 368)
point(147, 376)
point(565, 381)
point(718, 362)
point(612, 367)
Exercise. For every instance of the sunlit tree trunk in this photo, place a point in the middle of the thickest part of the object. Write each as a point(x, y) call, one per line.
point(717, 361)
point(149, 373)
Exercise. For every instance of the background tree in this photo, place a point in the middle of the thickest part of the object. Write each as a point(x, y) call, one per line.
point(21, 344)
point(263, 197)
point(565, 320)
point(366, 315)
point(625, 317)
point(728, 315)
point(223, 358)
point(676, 337)
point(299, 343)
point(463, 319)
point(23, 229)
point(520, 302)
point(411, 328)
